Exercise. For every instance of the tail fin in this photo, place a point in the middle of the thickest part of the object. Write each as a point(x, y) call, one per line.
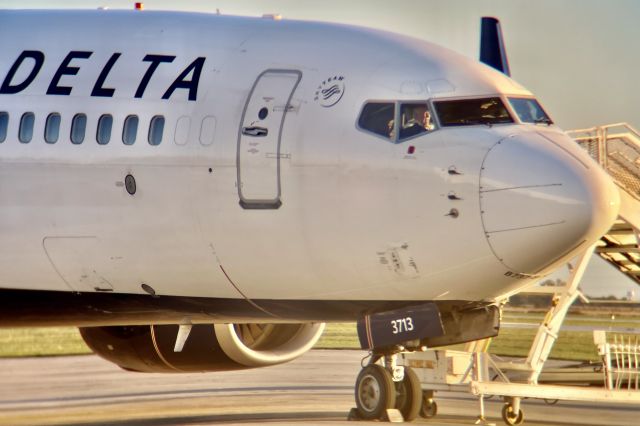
point(492, 50)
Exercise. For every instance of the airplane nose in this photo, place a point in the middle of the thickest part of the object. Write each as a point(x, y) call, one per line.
point(540, 200)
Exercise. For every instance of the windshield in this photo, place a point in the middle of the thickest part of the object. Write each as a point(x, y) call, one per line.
point(378, 118)
point(529, 110)
point(415, 119)
point(468, 112)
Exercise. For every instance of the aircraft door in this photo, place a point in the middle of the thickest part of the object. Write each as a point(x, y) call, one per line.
point(259, 136)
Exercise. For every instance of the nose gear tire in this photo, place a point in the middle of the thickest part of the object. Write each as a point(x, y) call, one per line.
point(375, 392)
point(409, 395)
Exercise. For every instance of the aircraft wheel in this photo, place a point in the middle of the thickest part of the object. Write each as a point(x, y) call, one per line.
point(510, 417)
point(429, 407)
point(375, 392)
point(409, 395)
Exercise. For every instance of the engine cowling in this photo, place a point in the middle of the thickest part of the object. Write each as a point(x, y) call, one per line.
point(219, 347)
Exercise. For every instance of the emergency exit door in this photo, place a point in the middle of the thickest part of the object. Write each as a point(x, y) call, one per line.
point(260, 136)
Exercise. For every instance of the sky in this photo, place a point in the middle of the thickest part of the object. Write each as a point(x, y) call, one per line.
point(580, 57)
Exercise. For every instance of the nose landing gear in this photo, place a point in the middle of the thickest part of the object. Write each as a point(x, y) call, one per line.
point(375, 392)
point(382, 388)
point(409, 395)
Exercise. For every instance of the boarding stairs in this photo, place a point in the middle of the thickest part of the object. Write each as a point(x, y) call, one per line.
point(616, 147)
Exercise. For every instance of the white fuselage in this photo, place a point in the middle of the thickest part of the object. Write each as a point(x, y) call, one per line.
point(358, 217)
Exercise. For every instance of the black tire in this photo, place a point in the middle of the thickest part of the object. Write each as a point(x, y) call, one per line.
point(510, 417)
point(429, 407)
point(409, 395)
point(375, 392)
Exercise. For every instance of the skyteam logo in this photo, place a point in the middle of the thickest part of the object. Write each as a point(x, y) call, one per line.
point(330, 91)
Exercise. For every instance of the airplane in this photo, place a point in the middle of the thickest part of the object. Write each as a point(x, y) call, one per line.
point(201, 192)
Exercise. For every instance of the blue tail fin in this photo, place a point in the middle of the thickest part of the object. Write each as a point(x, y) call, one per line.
point(492, 51)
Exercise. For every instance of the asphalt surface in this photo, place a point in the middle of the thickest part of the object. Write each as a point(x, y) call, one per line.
point(315, 389)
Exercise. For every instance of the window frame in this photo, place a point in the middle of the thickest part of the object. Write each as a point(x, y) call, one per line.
point(5, 132)
point(84, 132)
point(434, 122)
point(32, 125)
point(501, 96)
point(127, 119)
point(152, 132)
point(98, 128)
point(395, 119)
point(46, 127)
point(517, 116)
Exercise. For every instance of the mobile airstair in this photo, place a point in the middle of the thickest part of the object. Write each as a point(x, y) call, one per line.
point(616, 147)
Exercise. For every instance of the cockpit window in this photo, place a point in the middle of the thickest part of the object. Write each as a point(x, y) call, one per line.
point(378, 118)
point(468, 112)
point(529, 110)
point(415, 119)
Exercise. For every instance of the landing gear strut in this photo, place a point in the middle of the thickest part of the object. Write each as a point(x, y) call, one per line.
point(379, 389)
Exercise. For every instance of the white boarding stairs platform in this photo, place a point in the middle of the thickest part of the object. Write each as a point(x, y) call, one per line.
point(616, 147)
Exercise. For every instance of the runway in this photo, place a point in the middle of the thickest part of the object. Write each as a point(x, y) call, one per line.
point(315, 389)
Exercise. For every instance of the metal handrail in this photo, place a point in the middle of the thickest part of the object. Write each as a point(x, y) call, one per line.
point(622, 159)
point(620, 360)
point(585, 130)
point(622, 124)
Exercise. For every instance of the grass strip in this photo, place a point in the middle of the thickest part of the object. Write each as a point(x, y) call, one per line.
point(45, 341)
point(571, 345)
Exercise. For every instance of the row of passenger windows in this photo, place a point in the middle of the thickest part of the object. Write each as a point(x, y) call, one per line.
point(79, 128)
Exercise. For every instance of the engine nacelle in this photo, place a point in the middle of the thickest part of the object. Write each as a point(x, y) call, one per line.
point(219, 347)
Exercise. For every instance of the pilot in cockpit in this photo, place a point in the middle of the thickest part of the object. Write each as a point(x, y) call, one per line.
point(426, 121)
point(416, 120)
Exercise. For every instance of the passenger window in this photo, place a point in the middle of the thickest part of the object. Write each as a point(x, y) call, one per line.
point(25, 134)
point(130, 130)
point(103, 135)
point(378, 118)
point(415, 119)
point(78, 128)
point(52, 128)
point(4, 125)
point(156, 128)
point(182, 130)
point(208, 130)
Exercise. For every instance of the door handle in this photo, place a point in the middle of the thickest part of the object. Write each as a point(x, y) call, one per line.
point(255, 131)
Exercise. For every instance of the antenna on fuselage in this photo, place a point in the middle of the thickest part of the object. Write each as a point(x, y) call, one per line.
point(492, 50)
